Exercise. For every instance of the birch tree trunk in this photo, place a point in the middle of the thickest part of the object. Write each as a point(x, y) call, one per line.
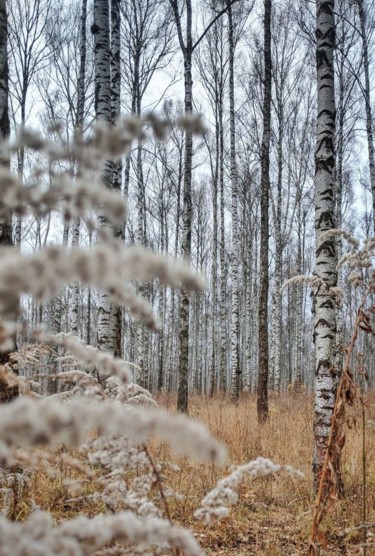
point(223, 264)
point(74, 315)
point(262, 393)
point(325, 264)
point(369, 124)
point(214, 280)
point(107, 325)
point(6, 220)
point(187, 50)
point(235, 366)
point(297, 363)
point(276, 294)
point(115, 68)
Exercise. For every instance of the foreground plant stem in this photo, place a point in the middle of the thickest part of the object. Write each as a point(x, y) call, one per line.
point(320, 500)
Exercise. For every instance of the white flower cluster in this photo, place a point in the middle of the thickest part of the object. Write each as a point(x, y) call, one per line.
point(32, 422)
point(105, 266)
point(214, 505)
point(73, 200)
point(88, 357)
point(119, 492)
point(93, 406)
point(83, 536)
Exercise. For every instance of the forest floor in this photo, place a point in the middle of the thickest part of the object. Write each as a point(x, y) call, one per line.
point(273, 514)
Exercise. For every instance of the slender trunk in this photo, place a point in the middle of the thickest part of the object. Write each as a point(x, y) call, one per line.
point(183, 372)
point(107, 324)
point(117, 165)
point(74, 315)
point(338, 214)
point(262, 393)
point(235, 366)
point(214, 285)
point(297, 363)
point(369, 124)
point(21, 166)
point(6, 220)
point(223, 266)
point(325, 265)
point(276, 294)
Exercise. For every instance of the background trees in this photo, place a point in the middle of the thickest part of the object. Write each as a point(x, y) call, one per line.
point(204, 200)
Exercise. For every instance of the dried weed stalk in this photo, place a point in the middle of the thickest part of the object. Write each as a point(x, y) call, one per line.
point(359, 261)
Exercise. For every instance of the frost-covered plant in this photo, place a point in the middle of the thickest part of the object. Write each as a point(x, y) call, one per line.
point(97, 409)
point(215, 504)
point(96, 395)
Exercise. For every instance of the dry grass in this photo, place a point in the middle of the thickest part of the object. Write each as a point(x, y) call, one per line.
point(273, 516)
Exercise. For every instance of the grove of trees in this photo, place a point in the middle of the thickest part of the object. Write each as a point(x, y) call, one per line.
point(256, 142)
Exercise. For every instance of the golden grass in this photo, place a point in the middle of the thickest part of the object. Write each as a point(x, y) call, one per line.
point(273, 515)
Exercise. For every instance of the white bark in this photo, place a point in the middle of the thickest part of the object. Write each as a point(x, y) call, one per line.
point(107, 325)
point(235, 363)
point(325, 264)
point(369, 121)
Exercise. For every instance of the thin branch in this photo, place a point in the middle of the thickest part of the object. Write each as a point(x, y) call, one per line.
point(212, 23)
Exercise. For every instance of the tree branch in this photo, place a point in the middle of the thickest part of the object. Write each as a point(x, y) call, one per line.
point(174, 6)
point(212, 22)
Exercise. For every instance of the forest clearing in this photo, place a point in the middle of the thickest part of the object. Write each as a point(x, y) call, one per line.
point(187, 277)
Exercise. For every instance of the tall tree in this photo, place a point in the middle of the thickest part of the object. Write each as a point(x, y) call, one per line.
point(235, 336)
point(31, 37)
point(115, 66)
point(325, 264)
point(81, 94)
point(6, 220)
point(262, 393)
point(366, 92)
point(187, 47)
point(107, 322)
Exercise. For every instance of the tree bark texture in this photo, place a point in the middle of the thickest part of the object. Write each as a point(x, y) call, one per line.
point(187, 51)
point(262, 392)
point(369, 121)
point(235, 363)
point(325, 264)
point(107, 323)
point(81, 97)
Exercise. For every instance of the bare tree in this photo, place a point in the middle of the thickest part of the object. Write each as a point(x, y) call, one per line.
point(325, 265)
point(108, 331)
point(366, 91)
point(262, 394)
point(187, 47)
point(6, 220)
point(30, 35)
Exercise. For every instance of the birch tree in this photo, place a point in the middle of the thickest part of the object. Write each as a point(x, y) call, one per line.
point(6, 222)
point(325, 264)
point(81, 97)
point(108, 331)
point(366, 93)
point(235, 364)
point(262, 392)
point(187, 47)
point(31, 33)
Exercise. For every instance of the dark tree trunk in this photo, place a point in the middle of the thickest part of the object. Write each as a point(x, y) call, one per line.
point(262, 393)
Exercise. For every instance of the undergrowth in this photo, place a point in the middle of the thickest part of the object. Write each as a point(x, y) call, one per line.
point(273, 515)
